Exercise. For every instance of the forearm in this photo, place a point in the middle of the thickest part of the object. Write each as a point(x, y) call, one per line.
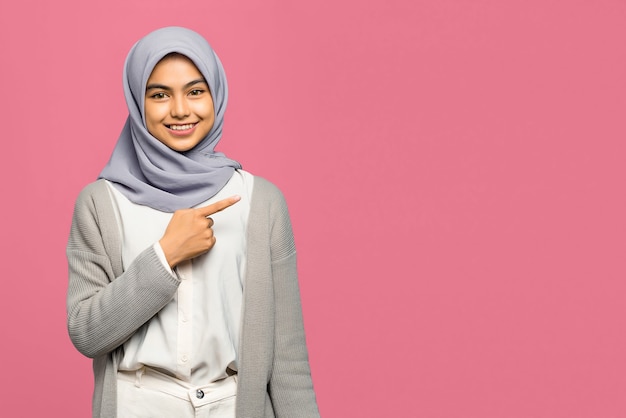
point(103, 313)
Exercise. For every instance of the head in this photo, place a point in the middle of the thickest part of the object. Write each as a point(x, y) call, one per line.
point(178, 108)
point(176, 87)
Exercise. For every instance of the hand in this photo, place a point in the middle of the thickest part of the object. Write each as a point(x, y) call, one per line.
point(190, 232)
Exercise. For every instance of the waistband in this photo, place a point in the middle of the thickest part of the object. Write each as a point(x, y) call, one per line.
point(149, 378)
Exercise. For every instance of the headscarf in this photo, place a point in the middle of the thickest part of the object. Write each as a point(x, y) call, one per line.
point(145, 170)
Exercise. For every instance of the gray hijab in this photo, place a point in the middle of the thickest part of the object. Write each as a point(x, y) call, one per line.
point(145, 170)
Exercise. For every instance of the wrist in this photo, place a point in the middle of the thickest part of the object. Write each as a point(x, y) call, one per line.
point(169, 253)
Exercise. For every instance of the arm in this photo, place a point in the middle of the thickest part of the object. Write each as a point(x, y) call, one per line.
point(291, 386)
point(105, 310)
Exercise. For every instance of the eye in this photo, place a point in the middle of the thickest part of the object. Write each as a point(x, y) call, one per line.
point(196, 92)
point(158, 96)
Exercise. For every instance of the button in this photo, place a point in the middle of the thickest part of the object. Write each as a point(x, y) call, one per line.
point(184, 359)
point(199, 394)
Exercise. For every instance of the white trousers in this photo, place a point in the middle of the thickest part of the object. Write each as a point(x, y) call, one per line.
point(147, 393)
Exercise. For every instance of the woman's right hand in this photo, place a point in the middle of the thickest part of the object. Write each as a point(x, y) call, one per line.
point(190, 232)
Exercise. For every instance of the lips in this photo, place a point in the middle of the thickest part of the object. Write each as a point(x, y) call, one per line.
point(184, 127)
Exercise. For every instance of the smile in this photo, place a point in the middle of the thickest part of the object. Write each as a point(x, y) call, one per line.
point(181, 127)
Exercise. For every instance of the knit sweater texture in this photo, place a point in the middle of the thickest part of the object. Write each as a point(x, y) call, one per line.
point(106, 304)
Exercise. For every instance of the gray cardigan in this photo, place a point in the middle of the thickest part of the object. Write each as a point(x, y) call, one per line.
point(106, 304)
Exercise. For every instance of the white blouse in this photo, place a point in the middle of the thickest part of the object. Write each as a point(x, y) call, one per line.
point(195, 337)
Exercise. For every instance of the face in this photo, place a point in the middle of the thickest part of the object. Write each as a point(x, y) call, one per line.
point(178, 106)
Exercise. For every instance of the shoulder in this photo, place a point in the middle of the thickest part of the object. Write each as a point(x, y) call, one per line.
point(94, 203)
point(269, 221)
point(265, 191)
point(268, 201)
point(92, 192)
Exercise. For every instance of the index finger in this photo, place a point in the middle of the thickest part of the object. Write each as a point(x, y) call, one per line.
point(218, 206)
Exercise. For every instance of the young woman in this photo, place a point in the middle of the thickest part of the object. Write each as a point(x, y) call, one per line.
point(182, 266)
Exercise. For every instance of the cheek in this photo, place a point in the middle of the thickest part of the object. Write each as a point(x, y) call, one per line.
point(153, 117)
point(150, 125)
point(208, 110)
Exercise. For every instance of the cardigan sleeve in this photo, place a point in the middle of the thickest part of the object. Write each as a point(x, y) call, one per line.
point(291, 386)
point(104, 308)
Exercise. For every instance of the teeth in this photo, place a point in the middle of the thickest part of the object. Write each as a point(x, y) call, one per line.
point(181, 127)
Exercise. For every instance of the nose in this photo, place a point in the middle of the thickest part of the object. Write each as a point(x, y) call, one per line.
point(179, 108)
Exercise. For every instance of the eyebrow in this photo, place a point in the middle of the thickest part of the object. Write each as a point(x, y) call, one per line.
point(164, 87)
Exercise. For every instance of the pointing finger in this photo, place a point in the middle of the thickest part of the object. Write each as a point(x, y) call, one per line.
point(218, 206)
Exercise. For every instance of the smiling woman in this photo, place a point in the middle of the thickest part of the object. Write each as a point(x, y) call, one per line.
point(183, 285)
point(178, 104)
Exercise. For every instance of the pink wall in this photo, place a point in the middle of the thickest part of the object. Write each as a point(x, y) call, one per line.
point(455, 171)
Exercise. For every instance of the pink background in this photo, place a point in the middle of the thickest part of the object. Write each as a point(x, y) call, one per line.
point(455, 172)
